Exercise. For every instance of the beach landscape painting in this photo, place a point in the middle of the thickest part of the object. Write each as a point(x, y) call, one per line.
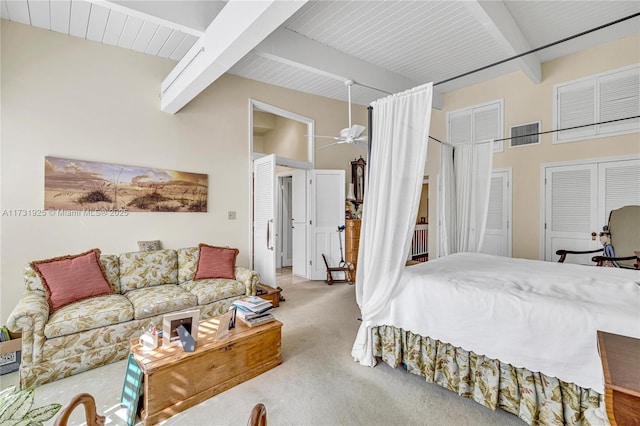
point(82, 185)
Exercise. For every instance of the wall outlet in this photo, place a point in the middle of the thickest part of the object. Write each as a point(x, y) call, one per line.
point(231, 215)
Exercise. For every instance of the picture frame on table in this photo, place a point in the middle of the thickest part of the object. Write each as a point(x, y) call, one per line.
point(170, 323)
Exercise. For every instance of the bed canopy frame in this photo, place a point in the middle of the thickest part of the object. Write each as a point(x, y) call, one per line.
point(532, 396)
point(500, 62)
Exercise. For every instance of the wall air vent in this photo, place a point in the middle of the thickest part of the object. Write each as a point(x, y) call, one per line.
point(525, 134)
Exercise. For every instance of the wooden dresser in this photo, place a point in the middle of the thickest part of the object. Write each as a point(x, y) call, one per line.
point(620, 356)
point(352, 242)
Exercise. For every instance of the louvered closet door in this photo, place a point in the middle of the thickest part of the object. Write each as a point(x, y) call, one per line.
point(571, 211)
point(618, 186)
point(497, 239)
point(264, 213)
point(578, 202)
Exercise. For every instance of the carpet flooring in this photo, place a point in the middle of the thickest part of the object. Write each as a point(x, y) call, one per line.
point(317, 384)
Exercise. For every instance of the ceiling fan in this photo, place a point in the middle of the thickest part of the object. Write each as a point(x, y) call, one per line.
point(353, 133)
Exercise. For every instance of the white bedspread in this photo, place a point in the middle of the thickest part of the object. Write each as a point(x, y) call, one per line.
point(542, 316)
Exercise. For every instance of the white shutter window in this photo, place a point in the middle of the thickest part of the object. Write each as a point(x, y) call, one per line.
point(460, 127)
point(576, 107)
point(614, 95)
point(486, 122)
point(620, 98)
point(476, 124)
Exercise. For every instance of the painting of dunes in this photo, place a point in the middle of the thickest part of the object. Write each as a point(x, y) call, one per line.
point(80, 185)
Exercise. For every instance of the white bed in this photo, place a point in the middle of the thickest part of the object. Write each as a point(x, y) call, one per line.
point(541, 316)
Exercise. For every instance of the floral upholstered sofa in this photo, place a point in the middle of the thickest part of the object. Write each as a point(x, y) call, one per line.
point(96, 331)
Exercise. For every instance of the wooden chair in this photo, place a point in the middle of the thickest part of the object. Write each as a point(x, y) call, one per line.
point(341, 269)
point(258, 415)
point(91, 415)
point(624, 227)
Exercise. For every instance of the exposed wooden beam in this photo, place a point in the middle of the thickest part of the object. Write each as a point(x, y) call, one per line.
point(499, 22)
point(237, 29)
point(288, 47)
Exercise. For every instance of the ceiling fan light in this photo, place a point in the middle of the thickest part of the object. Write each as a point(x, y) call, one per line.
point(345, 133)
point(356, 130)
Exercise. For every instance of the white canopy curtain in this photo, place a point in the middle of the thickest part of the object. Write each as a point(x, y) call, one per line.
point(396, 169)
point(465, 179)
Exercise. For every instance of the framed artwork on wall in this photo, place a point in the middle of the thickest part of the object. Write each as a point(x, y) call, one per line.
point(119, 189)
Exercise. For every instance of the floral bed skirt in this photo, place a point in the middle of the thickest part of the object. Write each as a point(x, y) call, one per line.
point(535, 398)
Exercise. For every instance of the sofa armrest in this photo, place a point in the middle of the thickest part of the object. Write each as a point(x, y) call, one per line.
point(249, 278)
point(29, 318)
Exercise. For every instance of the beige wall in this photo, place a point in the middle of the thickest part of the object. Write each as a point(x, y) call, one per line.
point(68, 97)
point(526, 102)
point(287, 139)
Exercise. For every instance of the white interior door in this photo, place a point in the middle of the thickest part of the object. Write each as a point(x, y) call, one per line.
point(264, 214)
point(326, 214)
point(299, 223)
point(578, 200)
point(618, 186)
point(497, 237)
point(571, 211)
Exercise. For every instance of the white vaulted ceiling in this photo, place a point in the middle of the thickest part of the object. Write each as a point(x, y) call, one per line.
point(114, 23)
point(314, 46)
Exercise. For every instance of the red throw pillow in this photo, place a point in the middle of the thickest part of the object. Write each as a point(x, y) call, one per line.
point(71, 278)
point(216, 262)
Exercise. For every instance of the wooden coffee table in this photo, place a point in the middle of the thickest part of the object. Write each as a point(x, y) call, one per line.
point(175, 380)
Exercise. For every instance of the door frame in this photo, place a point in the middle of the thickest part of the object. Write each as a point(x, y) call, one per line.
point(543, 190)
point(255, 105)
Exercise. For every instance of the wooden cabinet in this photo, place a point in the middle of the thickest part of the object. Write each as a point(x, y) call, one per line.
point(352, 242)
point(620, 356)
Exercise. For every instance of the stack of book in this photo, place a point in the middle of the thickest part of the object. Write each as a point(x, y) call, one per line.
point(10, 352)
point(4, 334)
point(253, 310)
